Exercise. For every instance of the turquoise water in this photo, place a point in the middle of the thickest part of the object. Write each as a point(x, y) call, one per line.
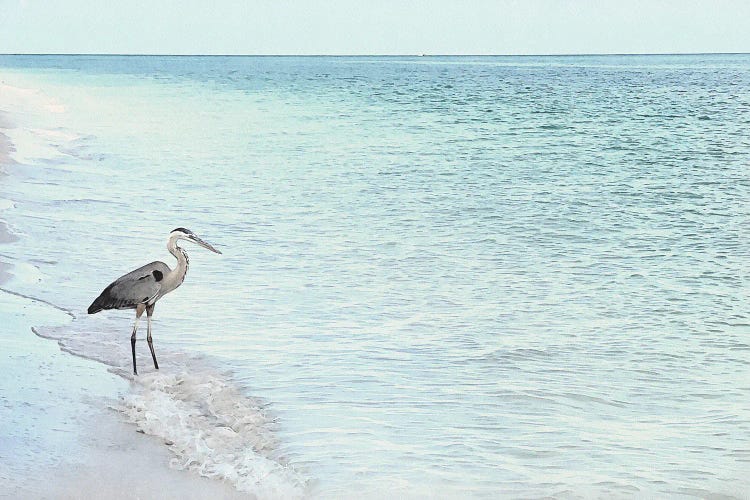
point(451, 277)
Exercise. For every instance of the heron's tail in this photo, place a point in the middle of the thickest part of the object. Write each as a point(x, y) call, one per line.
point(103, 301)
point(97, 306)
point(94, 308)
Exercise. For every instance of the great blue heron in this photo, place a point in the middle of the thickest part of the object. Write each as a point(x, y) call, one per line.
point(140, 289)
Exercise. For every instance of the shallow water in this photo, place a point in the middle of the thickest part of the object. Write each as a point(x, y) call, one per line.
point(441, 276)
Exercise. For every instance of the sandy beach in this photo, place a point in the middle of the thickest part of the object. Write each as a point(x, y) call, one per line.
point(59, 434)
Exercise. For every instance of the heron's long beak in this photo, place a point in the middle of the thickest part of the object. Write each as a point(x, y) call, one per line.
point(203, 243)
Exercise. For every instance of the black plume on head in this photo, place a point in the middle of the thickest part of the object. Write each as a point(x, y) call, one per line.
point(186, 231)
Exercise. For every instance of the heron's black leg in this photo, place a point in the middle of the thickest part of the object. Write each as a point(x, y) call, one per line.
point(138, 312)
point(149, 312)
point(153, 355)
point(132, 345)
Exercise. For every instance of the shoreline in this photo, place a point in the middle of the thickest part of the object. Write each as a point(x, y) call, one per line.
point(58, 410)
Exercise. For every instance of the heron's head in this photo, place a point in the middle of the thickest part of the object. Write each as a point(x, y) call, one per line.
point(186, 234)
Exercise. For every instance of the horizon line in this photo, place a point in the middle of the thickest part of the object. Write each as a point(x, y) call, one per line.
point(572, 54)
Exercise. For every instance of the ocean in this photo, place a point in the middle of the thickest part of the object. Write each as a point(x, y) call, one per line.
point(442, 277)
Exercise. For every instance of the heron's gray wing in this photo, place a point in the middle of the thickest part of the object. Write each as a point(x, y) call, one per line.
point(136, 287)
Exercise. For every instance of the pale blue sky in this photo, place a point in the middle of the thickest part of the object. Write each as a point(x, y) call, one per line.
point(374, 27)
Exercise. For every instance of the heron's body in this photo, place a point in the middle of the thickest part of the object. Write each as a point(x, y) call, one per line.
point(140, 289)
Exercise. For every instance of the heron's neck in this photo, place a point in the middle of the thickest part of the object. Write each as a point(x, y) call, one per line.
point(182, 260)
